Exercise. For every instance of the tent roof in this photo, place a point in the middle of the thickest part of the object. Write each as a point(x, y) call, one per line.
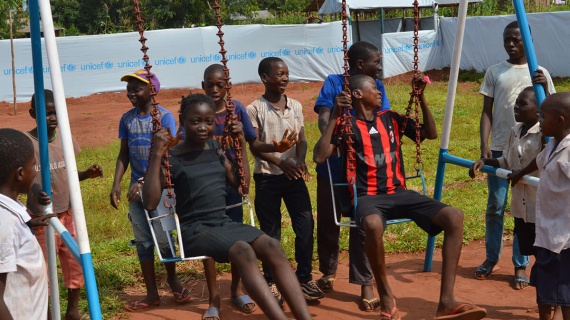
point(335, 6)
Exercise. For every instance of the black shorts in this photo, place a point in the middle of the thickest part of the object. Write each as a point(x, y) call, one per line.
point(525, 234)
point(406, 204)
point(551, 277)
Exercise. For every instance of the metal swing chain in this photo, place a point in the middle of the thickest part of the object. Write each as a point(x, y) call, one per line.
point(170, 201)
point(227, 140)
point(346, 118)
point(415, 94)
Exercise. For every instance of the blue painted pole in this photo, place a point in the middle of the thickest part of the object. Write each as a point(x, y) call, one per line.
point(36, 41)
point(528, 48)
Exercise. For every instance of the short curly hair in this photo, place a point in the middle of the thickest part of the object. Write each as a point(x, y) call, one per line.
point(16, 150)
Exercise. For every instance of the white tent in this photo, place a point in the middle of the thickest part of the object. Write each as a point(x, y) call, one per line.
point(335, 6)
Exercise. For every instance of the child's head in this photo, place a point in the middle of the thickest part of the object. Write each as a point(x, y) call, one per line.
point(214, 83)
point(526, 109)
point(274, 74)
point(364, 93)
point(512, 41)
point(16, 160)
point(51, 116)
point(364, 58)
point(197, 116)
point(138, 89)
point(555, 115)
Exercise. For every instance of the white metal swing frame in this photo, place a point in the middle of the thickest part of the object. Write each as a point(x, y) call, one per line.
point(168, 219)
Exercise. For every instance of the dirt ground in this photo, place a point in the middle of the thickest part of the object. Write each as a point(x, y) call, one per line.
point(94, 122)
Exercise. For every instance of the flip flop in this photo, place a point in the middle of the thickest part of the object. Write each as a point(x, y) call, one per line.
point(521, 282)
point(140, 305)
point(85, 317)
point(182, 296)
point(242, 301)
point(389, 316)
point(326, 285)
point(211, 313)
point(369, 305)
point(484, 271)
point(474, 313)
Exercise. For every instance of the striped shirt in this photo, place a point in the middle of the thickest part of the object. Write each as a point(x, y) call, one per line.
point(379, 162)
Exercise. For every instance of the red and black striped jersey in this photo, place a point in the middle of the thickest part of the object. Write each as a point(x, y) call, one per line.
point(379, 162)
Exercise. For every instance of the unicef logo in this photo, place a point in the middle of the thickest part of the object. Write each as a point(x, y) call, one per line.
point(71, 67)
point(217, 57)
point(251, 55)
point(181, 60)
point(108, 65)
point(408, 47)
point(286, 52)
point(320, 50)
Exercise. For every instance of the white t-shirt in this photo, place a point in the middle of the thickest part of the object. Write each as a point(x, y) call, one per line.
point(503, 82)
point(552, 201)
point(21, 258)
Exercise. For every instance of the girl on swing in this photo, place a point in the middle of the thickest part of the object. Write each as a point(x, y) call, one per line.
point(199, 172)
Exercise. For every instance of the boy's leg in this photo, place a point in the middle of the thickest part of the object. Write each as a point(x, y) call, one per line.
point(298, 203)
point(327, 234)
point(494, 221)
point(360, 271)
point(70, 268)
point(520, 262)
point(268, 193)
point(270, 251)
point(243, 256)
point(373, 226)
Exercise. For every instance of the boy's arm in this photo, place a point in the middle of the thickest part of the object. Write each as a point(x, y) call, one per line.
point(120, 168)
point(92, 172)
point(324, 118)
point(324, 148)
point(288, 167)
point(302, 154)
point(477, 165)
point(485, 126)
point(429, 129)
point(515, 176)
point(154, 180)
point(4, 312)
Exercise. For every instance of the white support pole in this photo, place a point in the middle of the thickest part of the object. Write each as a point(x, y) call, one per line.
point(454, 73)
point(69, 157)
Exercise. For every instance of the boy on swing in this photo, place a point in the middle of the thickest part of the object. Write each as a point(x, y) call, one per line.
point(382, 194)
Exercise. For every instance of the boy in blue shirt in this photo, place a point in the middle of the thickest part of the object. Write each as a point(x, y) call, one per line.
point(135, 132)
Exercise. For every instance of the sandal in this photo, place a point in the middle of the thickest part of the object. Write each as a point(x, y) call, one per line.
point(484, 270)
point(140, 305)
point(212, 313)
point(521, 282)
point(390, 316)
point(182, 296)
point(469, 314)
point(326, 284)
point(369, 305)
point(242, 302)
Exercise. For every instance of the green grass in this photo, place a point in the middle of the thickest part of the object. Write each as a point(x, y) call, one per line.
point(115, 262)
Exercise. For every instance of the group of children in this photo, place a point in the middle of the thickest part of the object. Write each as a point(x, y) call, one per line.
point(206, 179)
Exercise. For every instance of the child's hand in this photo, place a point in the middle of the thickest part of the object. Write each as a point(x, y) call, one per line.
point(115, 197)
point(236, 126)
point(540, 78)
point(163, 140)
point(134, 193)
point(476, 166)
point(341, 102)
point(286, 142)
point(41, 221)
point(43, 198)
point(94, 171)
point(290, 169)
point(514, 177)
point(304, 172)
point(419, 82)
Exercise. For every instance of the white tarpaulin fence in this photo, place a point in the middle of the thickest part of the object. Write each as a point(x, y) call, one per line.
point(92, 64)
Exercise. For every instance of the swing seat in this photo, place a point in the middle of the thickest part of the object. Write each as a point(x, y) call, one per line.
point(170, 225)
point(345, 216)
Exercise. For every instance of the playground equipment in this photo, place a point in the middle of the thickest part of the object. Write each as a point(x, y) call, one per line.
point(80, 250)
point(347, 190)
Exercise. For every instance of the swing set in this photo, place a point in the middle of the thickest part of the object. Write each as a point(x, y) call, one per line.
point(81, 249)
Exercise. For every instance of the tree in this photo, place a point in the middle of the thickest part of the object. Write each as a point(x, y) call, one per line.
point(12, 7)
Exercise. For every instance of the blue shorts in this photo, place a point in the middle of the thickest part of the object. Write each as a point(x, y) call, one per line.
point(405, 204)
point(551, 277)
point(143, 237)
